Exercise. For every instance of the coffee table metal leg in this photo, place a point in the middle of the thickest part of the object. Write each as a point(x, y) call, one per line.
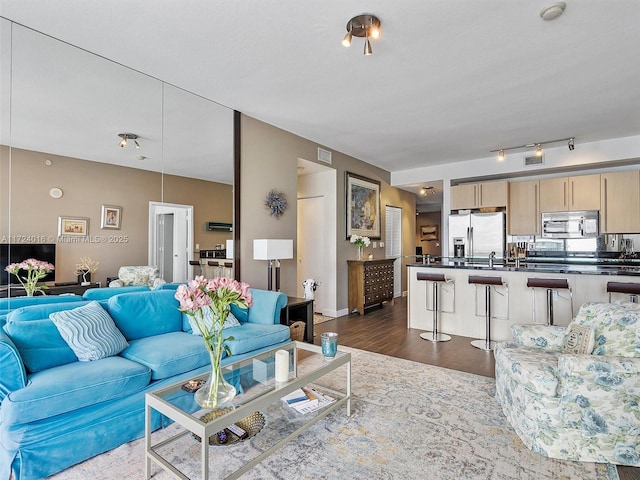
point(147, 442)
point(349, 388)
point(204, 444)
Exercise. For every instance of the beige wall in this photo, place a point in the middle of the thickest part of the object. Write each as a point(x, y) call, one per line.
point(269, 160)
point(87, 186)
point(430, 247)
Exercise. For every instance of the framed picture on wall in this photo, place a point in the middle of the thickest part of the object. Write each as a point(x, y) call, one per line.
point(363, 206)
point(111, 217)
point(429, 232)
point(73, 226)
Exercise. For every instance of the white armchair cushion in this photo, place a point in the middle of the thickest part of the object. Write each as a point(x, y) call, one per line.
point(138, 275)
point(616, 326)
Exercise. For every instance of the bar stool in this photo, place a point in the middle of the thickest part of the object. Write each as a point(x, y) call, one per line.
point(196, 263)
point(437, 279)
point(631, 289)
point(215, 266)
point(228, 269)
point(488, 282)
point(551, 285)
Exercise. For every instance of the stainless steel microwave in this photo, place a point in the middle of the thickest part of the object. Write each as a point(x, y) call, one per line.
point(582, 224)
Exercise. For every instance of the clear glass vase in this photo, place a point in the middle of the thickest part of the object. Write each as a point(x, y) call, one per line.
point(359, 252)
point(216, 392)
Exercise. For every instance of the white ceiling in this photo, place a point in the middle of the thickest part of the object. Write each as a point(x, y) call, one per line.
point(448, 80)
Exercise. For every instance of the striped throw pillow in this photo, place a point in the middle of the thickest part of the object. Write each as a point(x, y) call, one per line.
point(90, 332)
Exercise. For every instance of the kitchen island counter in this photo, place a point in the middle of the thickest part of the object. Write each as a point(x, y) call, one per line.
point(462, 304)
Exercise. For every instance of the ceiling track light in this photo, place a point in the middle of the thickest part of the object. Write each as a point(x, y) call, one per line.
point(128, 136)
point(537, 145)
point(364, 26)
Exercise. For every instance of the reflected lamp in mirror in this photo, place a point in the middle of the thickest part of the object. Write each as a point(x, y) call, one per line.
point(272, 250)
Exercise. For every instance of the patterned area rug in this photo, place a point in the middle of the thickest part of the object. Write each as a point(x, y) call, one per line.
point(319, 318)
point(409, 421)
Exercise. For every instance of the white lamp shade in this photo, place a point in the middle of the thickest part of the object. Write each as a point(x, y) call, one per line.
point(272, 249)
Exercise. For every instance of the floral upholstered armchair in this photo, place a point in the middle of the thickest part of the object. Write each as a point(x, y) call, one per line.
point(138, 275)
point(574, 392)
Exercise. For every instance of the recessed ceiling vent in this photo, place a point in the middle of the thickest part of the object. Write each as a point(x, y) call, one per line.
point(324, 155)
point(533, 160)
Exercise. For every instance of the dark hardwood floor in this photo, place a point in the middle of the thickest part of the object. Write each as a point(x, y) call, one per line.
point(384, 330)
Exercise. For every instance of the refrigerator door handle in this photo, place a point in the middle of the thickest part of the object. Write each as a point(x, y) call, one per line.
point(470, 241)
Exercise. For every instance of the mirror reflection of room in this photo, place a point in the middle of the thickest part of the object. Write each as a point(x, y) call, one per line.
point(62, 163)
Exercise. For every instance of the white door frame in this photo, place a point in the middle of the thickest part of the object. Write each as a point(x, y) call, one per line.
point(183, 238)
point(391, 249)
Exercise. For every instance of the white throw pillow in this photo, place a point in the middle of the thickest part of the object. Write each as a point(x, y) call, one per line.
point(579, 340)
point(231, 321)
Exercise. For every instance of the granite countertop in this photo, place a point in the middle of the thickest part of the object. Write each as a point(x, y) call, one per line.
point(627, 269)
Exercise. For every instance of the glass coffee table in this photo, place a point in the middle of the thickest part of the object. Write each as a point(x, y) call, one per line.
point(254, 377)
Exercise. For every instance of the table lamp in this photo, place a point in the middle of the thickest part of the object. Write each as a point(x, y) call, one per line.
point(272, 250)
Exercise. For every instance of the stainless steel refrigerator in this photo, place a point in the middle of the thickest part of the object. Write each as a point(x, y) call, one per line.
point(479, 233)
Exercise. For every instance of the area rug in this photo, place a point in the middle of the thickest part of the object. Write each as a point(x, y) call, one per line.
point(409, 421)
point(319, 318)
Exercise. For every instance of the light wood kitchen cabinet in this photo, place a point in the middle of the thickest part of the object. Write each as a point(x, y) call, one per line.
point(479, 195)
point(570, 193)
point(620, 202)
point(523, 212)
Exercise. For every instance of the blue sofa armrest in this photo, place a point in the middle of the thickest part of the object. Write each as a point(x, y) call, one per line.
point(265, 310)
point(14, 375)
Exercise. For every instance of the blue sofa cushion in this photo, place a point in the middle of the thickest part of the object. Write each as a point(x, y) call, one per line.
point(266, 308)
point(14, 375)
point(13, 303)
point(251, 336)
point(108, 292)
point(145, 314)
point(90, 332)
point(73, 386)
point(37, 338)
point(168, 354)
point(189, 326)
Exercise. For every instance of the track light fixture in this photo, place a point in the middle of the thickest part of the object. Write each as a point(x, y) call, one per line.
point(537, 145)
point(128, 136)
point(364, 26)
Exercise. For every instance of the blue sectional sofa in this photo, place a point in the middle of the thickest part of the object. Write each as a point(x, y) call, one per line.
point(56, 411)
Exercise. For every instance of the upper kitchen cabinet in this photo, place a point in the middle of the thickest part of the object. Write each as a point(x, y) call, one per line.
point(479, 195)
point(570, 193)
point(523, 212)
point(620, 202)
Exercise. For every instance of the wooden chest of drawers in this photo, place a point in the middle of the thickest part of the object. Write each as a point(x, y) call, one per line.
point(370, 283)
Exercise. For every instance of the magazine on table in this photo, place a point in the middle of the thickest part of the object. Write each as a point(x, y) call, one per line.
point(307, 400)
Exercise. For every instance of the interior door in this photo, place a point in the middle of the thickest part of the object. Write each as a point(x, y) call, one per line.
point(393, 246)
point(311, 248)
point(170, 245)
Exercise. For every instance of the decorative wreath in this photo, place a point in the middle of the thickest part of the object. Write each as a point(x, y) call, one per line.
point(276, 202)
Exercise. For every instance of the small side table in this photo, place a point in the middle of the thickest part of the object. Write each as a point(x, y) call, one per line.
point(299, 309)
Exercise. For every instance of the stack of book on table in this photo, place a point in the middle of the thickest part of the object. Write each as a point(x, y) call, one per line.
point(306, 400)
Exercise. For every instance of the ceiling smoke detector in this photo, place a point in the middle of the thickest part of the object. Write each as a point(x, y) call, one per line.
point(553, 11)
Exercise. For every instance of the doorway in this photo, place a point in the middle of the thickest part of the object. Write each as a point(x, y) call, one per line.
point(393, 245)
point(316, 234)
point(170, 240)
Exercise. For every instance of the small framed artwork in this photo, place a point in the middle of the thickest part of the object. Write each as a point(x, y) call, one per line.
point(73, 226)
point(363, 206)
point(429, 232)
point(111, 217)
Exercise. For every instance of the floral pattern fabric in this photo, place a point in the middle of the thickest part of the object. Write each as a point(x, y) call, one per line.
point(593, 414)
point(138, 275)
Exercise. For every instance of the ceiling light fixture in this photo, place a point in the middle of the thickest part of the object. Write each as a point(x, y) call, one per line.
point(537, 145)
point(364, 26)
point(128, 136)
point(426, 191)
point(553, 11)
